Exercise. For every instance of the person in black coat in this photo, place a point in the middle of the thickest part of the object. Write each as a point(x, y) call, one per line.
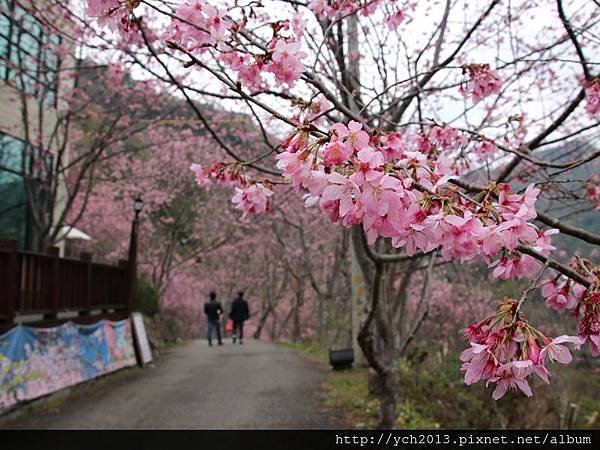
point(213, 311)
point(239, 314)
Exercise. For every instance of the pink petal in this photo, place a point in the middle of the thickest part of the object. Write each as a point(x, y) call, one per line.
point(354, 126)
point(340, 129)
point(569, 339)
point(542, 372)
point(524, 386)
point(500, 390)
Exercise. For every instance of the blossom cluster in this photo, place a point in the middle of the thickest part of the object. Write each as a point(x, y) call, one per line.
point(592, 92)
point(485, 150)
point(398, 189)
point(113, 14)
point(325, 9)
point(339, 9)
point(286, 61)
point(588, 312)
point(505, 350)
point(592, 188)
point(562, 294)
point(283, 59)
point(252, 199)
point(399, 186)
point(583, 303)
point(482, 81)
point(199, 24)
point(250, 196)
point(394, 20)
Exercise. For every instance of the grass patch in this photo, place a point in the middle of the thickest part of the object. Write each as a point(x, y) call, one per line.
point(432, 394)
point(347, 391)
point(312, 349)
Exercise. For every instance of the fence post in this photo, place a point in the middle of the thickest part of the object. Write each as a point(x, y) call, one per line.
point(54, 278)
point(13, 285)
point(87, 283)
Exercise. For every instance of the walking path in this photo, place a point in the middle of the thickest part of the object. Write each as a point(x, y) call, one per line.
point(252, 386)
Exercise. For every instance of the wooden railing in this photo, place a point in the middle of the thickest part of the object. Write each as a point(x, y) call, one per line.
point(45, 284)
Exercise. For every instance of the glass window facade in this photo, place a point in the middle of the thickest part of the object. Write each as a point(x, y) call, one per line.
point(16, 159)
point(27, 53)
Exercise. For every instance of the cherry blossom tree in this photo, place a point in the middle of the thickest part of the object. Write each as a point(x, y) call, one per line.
point(423, 128)
point(177, 226)
point(190, 244)
point(70, 112)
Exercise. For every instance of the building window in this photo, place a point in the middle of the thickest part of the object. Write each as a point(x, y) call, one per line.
point(28, 58)
point(17, 164)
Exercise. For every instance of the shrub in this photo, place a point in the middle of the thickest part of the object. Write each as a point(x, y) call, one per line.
point(148, 298)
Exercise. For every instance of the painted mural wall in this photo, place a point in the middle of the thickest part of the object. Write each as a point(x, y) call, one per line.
point(38, 361)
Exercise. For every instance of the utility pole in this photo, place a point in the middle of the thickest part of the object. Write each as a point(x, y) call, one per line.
point(359, 302)
point(359, 288)
point(138, 204)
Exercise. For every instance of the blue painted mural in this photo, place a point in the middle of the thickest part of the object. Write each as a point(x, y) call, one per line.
point(37, 361)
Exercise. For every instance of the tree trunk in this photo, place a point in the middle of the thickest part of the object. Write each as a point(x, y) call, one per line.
point(297, 325)
point(388, 397)
point(321, 318)
point(261, 322)
point(273, 333)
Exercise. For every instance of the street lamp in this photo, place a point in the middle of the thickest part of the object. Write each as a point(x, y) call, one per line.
point(138, 205)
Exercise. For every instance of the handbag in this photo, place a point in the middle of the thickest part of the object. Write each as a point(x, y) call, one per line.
point(229, 326)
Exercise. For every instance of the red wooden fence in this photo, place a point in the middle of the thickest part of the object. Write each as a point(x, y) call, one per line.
point(36, 283)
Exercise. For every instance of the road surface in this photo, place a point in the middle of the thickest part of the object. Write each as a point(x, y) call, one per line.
point(252, 386)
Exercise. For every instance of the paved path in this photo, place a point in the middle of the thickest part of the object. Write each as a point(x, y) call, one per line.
point(257, 386)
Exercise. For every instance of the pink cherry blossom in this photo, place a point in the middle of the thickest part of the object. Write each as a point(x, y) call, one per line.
point(113, 14)
point(447, 137)
point(512, 375)
point(592, 93)
point(368, 165)
point(557, 352)
point(513, 231)
point(589, 324)
point(516, 205)
point(558, 297)
point(392, 146)
point(253, 199)
point(286, 62)
point(517, 266)
point(249, 69)
point(353, 135)
point(394, 20)
point(483, 82)
point(592, 189)
point(383, 195)
point(201, 179)
point(479, 363)
point(543, 243)
point(199, 24)
point(315, 182)
point(340, 189)
point(336, 152)
point(485, 149)
point(324, 9)
point(295, 166)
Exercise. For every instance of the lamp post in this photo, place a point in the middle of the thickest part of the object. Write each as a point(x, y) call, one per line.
point(138, 205)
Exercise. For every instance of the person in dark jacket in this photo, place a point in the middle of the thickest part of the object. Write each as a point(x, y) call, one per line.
point(239, 314)
point(213, 311)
